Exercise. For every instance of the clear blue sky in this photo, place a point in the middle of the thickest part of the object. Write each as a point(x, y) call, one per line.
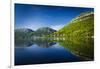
point(36, 16)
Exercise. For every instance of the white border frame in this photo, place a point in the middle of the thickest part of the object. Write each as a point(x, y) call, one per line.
point(70, 3)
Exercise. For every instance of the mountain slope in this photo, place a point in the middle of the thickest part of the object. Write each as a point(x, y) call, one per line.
point(81, 26)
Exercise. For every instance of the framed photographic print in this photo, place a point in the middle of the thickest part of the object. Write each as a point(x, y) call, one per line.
point(52, 34)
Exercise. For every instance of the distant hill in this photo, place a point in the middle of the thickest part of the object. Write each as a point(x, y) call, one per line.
point(81, 26)
point(25, 30)
point(44, 31)
point(27, 34)
point(23, 34)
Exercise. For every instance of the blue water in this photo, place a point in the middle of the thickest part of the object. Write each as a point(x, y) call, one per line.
point(46, 53)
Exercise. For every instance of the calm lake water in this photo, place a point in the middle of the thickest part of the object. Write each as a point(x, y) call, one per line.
point(39, 52)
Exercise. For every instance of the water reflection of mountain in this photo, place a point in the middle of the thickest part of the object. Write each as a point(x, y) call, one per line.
point(82, 48)
point(23, 43)
point(45, 44)
point(40, 43)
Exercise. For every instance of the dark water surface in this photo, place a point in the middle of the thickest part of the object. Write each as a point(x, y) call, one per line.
point(38, 52)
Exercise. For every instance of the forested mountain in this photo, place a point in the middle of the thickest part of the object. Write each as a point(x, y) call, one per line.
point(25, 34)
point(81, 26)
point(22, 34)
point(45, 31)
